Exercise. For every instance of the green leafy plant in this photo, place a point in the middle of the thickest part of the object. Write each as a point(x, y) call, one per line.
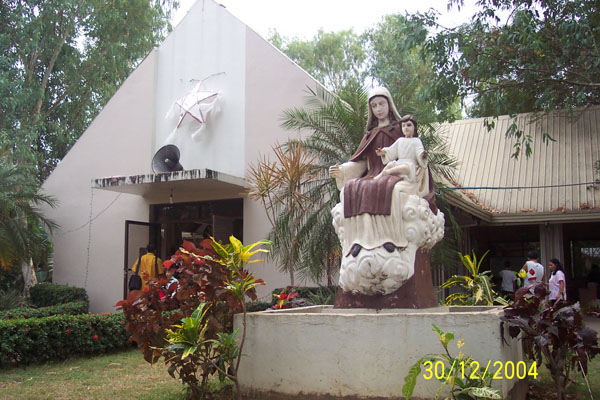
point(465, 380)
point(58, 337)
point(49, 294)
point(477, 287)
point(72, 308)
point(555, 336)
point(282, 299)
point(190, 324)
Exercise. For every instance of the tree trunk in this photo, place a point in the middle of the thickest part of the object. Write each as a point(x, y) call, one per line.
point(29, 278)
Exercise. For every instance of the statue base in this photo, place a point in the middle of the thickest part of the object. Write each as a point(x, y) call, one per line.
point(417, 292)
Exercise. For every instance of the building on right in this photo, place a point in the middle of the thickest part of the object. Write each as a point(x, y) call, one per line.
point(548, 201)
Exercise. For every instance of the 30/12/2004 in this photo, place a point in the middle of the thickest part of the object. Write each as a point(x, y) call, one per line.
point(474, 370)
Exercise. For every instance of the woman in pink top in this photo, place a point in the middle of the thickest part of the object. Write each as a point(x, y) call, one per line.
point(557, 284)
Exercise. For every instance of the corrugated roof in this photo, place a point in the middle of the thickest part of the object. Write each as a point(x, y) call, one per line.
point(554, 179)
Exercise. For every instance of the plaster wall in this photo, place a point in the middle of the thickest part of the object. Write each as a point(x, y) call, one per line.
point(208, 44)
point(89, 245)
point(273, 83)
point(360, 353)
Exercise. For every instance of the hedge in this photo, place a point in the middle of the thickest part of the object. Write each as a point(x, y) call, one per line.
point(72, 308)
point(48, 294)
point(34, 340)
point(313, 294)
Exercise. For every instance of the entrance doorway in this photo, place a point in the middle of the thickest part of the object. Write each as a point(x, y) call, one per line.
point(196, 221)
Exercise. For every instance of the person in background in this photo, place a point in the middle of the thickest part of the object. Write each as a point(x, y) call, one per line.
point(509, 280)
point(150, 265)
point(557, 283)
point(171, 272)
point(534, 270)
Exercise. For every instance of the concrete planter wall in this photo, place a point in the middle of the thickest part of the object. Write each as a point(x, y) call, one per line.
point(321, 352)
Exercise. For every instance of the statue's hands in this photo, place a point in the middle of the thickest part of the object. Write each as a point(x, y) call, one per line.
point(335, 171)
point(380, 152)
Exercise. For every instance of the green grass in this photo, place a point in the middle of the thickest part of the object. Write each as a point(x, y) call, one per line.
point(123, 375)
point(543, 388)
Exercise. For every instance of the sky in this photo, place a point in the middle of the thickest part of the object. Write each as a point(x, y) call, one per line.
point(303, 18)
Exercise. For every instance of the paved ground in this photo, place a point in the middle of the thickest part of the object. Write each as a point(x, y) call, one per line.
point(592, 322)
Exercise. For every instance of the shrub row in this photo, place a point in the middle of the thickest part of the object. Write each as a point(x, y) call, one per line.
point(72, 308)
point(317, 295)
point(26, 341)
point(48, 294)
point(254, 306)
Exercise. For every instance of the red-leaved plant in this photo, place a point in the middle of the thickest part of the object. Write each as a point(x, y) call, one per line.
point(207, 282)
point(553, 335)
point(282, 300)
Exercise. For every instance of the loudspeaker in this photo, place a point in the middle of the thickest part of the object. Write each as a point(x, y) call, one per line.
point(166, 159)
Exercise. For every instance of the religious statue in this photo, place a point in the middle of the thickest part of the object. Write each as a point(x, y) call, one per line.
point(387, 205)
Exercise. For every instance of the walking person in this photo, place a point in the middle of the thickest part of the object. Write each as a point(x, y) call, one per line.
point(509, 280)
point(534, 270)
point(149, 265)
point(557, 283)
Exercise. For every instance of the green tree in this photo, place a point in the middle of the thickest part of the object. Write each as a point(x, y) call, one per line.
point(332, 58)
point(22, 236)
point(337, 125)
point(61, 62)
point(395, 60)
point(544, 56)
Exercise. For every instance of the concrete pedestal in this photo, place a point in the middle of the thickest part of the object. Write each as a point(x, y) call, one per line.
point(325, 353)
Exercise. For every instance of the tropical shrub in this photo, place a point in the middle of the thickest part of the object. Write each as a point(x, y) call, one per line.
point(477, 289)
point(49, 294)
point(464, 381)
point(254, 306)
point(34, 340)
point(10, 299)
point(196, 340)
point(282, 299)
point(72, 308)
point(315, 294)
point(553, 335)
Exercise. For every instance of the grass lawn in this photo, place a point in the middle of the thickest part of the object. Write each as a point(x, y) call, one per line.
point(544, 389)
point(123, 375)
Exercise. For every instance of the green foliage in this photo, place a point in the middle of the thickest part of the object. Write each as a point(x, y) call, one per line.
point(11, 299)
point(333, 58)
point(49, 294)
point(255, 306)
point(278, 186)
point(35, 340)
point(61, 62)
point(518, 56)
point(465, 380)
point(72, 308)
point(319, 295)
point(22, 236)
point(477, 289)
point(394, 59)
point(554, 335)
point(190, 324)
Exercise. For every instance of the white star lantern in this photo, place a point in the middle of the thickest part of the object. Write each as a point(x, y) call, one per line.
point(193, 108)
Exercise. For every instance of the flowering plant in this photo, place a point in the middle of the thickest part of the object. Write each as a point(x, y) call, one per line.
point(283, 298)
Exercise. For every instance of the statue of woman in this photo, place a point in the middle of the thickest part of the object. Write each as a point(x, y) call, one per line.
point(381, 210)
point(368, 193)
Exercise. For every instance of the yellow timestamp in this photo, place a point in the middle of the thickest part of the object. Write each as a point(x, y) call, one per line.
point(474, 370)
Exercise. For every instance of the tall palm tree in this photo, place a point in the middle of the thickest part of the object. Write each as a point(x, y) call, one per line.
point(21, 220)
point(337, 125)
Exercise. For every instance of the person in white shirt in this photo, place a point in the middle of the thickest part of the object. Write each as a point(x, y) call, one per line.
point(509, 280)
point(557, 283)
point(535, 270)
